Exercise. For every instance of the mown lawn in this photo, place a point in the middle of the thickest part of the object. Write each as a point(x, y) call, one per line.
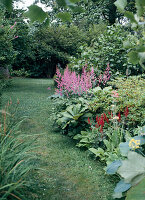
point(68, 172)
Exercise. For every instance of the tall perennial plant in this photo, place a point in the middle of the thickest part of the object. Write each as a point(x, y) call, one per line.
point(70, 83)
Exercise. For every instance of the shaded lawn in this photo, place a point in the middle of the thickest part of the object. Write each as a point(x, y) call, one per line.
point(69, 173)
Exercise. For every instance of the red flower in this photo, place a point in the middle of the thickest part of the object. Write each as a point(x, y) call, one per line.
point(105, 118)
point(96, 118)
point(89, 121)
point(119, 115)
point(126, 112)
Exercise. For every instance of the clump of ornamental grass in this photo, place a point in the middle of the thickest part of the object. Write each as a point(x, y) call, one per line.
point(17, 157)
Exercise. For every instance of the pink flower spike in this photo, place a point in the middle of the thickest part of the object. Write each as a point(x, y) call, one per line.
point(16, 37)
point(48, 88)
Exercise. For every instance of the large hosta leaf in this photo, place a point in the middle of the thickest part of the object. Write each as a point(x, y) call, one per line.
point(122, 187)
point(113, 167)
point(137, 192)
point(35, 13)
point(132, 169)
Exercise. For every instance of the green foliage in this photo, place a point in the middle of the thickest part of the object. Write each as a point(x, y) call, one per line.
point(17, 157)
point(106, 48)
point(136, 53)
point(65, 16)
point(131, 93)
point(87, 138)
point(73, 117)
point(132, 169)
point(46, 47)
point(8, 4)
point(35, 13)
point(136, 163)
point(20, 73)
point(136, 191)
point(7, 34)
point(102, 99)
point(110, 152)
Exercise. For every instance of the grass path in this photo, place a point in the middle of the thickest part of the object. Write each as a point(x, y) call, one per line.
point(69, 173)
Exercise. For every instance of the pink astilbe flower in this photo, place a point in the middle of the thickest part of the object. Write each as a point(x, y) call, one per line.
point(105, 77)
point(70, 83)
point(16, 37)
point(13, 25)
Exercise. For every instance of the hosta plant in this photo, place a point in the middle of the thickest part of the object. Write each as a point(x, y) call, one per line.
point(130, 169)
point(73, 118)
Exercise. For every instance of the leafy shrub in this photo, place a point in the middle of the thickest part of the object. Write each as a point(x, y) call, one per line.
point(107, 48)
point(20, 73)
point(7, 34)
point(131, 95)
point(46, 47)
point(17, 158)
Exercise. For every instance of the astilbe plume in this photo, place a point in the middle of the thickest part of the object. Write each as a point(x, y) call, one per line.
point(105, 77)
point(70, 83)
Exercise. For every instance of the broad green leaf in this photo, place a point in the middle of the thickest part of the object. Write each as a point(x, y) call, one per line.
point(35, 13)
point(140, 48)
point(76, 109)
point(85, 140)
point(137, 192)
point(67, 115)
point(61, 3)
point(127, 44)
point(77, 137)
point(78, 9)
point(97, 152)
point(121, 4)
point(133, 57)
point(117, 195)
point(124, 148)
point(122, 187)
point(8, 4)
point(140, 6)
point(76, 117)
point(130, 16)
point(64, 16)
point(132, 167)
point(140, 138)
point(113, 167)
point(70, 110)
